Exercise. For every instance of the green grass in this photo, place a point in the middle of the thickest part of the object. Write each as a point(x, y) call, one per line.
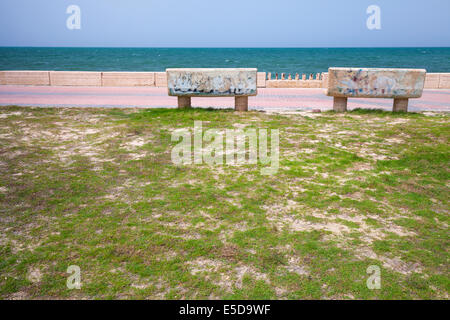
point(97, 188)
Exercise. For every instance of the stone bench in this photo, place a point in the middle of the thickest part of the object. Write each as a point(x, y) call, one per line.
point(397, 84)
point(186, 83)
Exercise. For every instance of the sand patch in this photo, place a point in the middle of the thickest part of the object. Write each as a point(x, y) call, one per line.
point(294, 265)
point(34, 274)
point(395, 264)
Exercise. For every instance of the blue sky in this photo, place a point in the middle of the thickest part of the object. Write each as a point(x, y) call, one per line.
point(225, 23)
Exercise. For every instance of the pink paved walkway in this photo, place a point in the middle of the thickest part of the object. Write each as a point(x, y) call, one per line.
point(149, 97)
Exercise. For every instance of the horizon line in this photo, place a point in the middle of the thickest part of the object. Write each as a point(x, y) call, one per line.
point(232, 47)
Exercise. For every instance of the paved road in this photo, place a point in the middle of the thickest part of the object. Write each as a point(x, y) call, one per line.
point(267, 98)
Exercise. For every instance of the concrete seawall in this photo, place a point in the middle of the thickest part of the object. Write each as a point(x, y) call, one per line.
point(159, 79)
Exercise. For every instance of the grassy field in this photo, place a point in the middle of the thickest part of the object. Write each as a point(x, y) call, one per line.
point(97, 188)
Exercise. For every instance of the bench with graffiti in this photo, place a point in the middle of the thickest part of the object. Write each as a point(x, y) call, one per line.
point(239, 83)
point(397, 84)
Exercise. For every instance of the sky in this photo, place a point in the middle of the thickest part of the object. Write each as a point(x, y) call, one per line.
point(225, 23)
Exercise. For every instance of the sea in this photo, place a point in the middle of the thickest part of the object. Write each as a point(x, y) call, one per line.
point(274, 60)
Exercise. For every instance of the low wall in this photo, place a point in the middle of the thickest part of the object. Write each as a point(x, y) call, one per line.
point(444, 80)
point(32, 78)
point(75, 78)
point(432, 81)
point(159, 79)
point(294, 84)
point(317, 80)
point(128, 79)
point(437, 81)
point(320, 80)
point(261, 80)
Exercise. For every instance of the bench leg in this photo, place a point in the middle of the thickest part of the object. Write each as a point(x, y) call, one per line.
point(241, 103)
point(339, 104)
point(400, 105)
point(184, 102)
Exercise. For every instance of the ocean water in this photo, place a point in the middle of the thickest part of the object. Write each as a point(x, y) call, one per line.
point(287, 60)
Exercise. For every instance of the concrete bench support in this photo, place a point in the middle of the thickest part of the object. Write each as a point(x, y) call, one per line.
point(241, 103)
point(184, 102)
point(397, 84)
point(400, 105)
point(238, 83)
point(340, 104)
